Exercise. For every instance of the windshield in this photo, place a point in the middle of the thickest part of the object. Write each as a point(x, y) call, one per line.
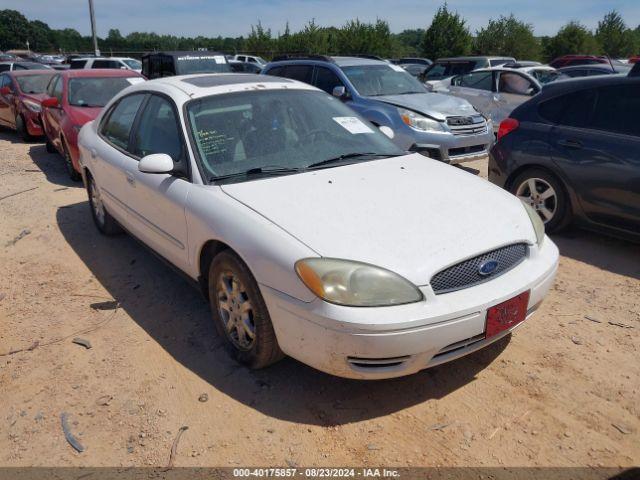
point(440, 70)
point(547, 76)
point(204, 64)
point(96, 92)
point(290, 129)
point(375, 80)
point(34, 83)
point(133, 64)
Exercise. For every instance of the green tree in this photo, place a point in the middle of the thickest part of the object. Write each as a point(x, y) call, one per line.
point(573, 38)
point(447, 36)
point(507, 36)
point(40, 36)
point(409, 41)
point(14, 30)
point(259, 40)
point(614, 37)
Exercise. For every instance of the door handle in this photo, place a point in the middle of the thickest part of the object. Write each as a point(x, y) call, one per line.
point(131, 180)
point(574, 144)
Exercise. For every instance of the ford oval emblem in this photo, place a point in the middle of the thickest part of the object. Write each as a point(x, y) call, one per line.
point(487, 268)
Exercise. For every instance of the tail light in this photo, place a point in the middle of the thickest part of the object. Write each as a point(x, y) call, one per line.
point(507, 126)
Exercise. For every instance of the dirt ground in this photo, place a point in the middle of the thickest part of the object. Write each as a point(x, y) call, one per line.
point(563, 391)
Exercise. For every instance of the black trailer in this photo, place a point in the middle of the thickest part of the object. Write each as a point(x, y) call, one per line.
point(167, 64)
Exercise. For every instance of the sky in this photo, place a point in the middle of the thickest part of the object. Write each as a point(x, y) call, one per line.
point(234, 17)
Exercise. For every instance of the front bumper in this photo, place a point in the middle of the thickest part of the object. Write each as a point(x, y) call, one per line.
point(453, 149)
point(33, 124)
point(386, 342)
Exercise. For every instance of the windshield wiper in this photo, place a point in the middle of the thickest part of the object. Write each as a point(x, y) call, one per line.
point(275, 170)
point(345, 156)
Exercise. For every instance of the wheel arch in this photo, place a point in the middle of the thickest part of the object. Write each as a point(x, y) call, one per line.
point(207, 253)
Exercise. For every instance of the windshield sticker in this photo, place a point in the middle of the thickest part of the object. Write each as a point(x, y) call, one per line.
point(219, 59)
point(397, 68)
point(135, 80)
point(352, 124)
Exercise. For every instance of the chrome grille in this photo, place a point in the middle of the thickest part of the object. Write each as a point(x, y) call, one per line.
point(466, 274)
point(474, 125)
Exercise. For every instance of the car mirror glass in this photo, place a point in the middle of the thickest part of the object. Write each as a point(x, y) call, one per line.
point(339, 91)
point(156, 163)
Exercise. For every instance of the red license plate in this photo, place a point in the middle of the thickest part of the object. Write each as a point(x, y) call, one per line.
point(507, 314)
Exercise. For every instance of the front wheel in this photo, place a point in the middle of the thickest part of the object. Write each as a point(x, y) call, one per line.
point(21, 128)
point(103, 220)
point(240, 314)
point(68, 163)
point(50, 148)
point(546, 195)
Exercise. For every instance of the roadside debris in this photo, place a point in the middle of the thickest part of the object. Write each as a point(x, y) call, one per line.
point(17, 193)
point(81, 341)
point(174, 447)
point(2, 296)
point(104, 401)
point(18, 237)
point(203, 398)
point(591, 319)
point(621, 428)
point(576, 340)
point(33, 346)
point(110, 305)
point(621, 325)
point(73, 441)
point(440, 426)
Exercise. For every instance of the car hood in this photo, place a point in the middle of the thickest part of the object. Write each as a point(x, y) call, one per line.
point(410, 214)
point(435, 105)
point(81, 115)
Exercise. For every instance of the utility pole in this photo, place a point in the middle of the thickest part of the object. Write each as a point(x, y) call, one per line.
point(93, 29)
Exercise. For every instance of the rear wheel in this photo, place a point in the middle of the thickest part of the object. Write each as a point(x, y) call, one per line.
point(21, 128)
point(546, 195)
point(103, 220)
point(240, 314)
point(68, 163)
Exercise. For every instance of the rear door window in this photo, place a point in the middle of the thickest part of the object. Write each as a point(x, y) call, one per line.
point(617, 109)
point(117, 128)
point(579, 108)
point(105, 64)
point(77, 64)
point(301, 73)
point(276, 71)
point(515, 84)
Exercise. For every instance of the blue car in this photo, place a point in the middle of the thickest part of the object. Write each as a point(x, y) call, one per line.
point(439, 126)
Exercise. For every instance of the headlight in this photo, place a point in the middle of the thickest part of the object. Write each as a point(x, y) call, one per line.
point(33, 106)
point(355, 284)
point(419, 122)
point(538, 224)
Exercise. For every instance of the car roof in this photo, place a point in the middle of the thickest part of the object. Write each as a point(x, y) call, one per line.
point(184, 53)
point(203, 85)
point(595, 66)
point(466, 59)
point(98, 72)
point(575, 84)
point(340, 61)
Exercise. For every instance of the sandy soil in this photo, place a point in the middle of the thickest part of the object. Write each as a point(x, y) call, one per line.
point(564, 391)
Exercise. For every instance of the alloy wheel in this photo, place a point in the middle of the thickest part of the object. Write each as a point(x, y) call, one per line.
point(538, 193)
point(236, 311)
point(96, 203)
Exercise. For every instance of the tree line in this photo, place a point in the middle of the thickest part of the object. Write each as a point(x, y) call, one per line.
point(448, 34)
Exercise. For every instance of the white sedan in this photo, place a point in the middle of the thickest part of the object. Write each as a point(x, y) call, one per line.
point(310, 233)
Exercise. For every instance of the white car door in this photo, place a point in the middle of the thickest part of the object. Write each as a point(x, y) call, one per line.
point(157, 201)
point(478, 89)
point(513, 89)
point(107, 156)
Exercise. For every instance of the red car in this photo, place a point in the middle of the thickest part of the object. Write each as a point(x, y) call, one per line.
point(21, 94)
point(76, 97)
point(571, 60)
point(634, 59)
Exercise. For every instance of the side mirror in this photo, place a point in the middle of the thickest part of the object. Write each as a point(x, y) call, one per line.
point(156, 163)
point(387, 131)
point(339, 92)
point(51, 102)
point(5, 91)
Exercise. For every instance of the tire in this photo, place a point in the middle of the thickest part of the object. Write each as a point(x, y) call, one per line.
point(50, 148)
point(71, 171)
point(107, 225)
point(240, 314)
point(21, 128)
point(555, 201)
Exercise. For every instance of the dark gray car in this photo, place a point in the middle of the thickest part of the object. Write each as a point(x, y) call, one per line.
point(572, 153)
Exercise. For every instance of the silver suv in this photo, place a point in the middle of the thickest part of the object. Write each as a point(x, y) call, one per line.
point(439, 126)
